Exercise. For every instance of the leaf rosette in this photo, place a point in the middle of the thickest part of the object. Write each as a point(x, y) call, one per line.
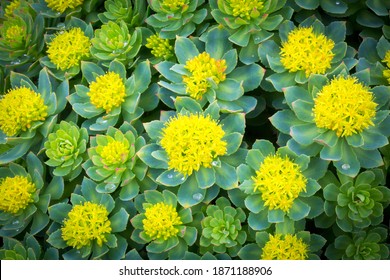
point(209, 73)
point(319, 122)
point(194, 149)
point(89, 225)
point(163, 225)
point(280, 185)
point(111, 94)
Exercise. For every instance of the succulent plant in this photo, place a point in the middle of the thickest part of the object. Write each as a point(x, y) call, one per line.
point(280, 185)
point(89, 225)
point(378, 62)
point(162, 226)
point(28, 113)
point(113, 161)
point(23, 198)
point(320, 122)
point(300, 246)
point(250, 22)
point(21, 32)
point(160, 48)
point(175, 18)
point(133, 13)
point(354, 204)
point(210, 73)
point(191, 148)
point(114, 41)
point(310, 48)
point(66, 149)
point(362, 245)
point(222, 229)
point(110, 94)
point(29, 249)
point(67, 48)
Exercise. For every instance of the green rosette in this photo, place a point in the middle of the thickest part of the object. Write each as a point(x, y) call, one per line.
point(354, 204)
point(66, 149)
point(222, 228)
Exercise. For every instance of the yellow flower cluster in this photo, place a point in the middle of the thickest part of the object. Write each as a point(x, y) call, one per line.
point(62, 5)
point(307, 51)
point(14, 35)
point(280, 182)
point(192, 141)
point(85, 223)
point(246, 9)
point(68, 48)
point(113, 153)
point(161, 221)
point(19, 108)
point(160, 48)
point(173, 5)
point(11, 8)
point(386, 72)
point(107, 92)
point(15, 193)
point(344, 106)
point(285, 247)
point(203, 68)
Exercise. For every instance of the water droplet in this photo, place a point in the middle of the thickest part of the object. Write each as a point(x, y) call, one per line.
point(170, 176)
point(62, 158)
point(197, 196)
point(182, 178)
point(345, 166)
point(61, 25)
point(16, 61)
point(102, 121)
point(109, 187)
point(15, 222)
point(214, 163)
point(337, 3)
point(58, 14)
point(125, 44)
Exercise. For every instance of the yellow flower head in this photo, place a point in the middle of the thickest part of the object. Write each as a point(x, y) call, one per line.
point(280, 182)
point(19, 108)
point(114, 153)
point(246, 9)
point(386, 72)
point(173, 5)
point(285, 247)
point(160, 48)
point(203, 68)
point(85, 223)
point(14, 35)
point(161, 221)
point(192, 141)
point(107, 92)
point(345, 106)
point(15, 193)
point(62, 5)
point(307, 51)
point(11, 8)
point(68, 48)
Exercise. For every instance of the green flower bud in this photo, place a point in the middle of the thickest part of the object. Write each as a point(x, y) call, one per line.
point(222, 229)
point(65, 149)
